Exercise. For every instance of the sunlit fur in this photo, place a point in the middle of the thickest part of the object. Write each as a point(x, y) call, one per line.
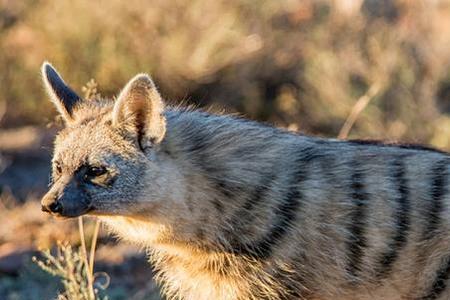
point(232, 209)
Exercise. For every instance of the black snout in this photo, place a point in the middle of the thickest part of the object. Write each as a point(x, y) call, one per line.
point(54, 207)
point(66, 198)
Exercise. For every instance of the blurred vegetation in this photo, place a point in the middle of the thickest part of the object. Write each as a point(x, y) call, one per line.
point(300, 64)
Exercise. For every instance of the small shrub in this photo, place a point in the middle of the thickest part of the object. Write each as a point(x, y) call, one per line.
point(74, 269)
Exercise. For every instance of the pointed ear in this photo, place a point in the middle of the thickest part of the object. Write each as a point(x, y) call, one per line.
point(139, 110)
point(64, 98)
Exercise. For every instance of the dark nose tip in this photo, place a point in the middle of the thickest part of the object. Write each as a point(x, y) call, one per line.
point(54, 207)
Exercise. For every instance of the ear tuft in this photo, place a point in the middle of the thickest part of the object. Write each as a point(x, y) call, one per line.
point(139, 109)
point(64, 98)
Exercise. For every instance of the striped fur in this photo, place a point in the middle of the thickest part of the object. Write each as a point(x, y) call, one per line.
point(402, 223)
point(232, 209)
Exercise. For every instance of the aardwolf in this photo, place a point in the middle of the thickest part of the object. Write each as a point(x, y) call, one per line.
point(232, 209)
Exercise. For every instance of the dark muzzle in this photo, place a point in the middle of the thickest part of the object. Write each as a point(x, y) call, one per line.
point(66, 200)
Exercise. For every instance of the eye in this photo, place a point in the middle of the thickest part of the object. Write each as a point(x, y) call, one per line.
point(99, 176)
point(94, 171)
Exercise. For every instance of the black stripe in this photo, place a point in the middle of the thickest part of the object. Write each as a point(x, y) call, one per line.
point(286, 211)
point(440, 283)
point(245, 215)
point(357, 241)
point(198, 146)
point(285, 216)
point(439, 187)
point(402, 219)
point(256, 198)
point(228, 189)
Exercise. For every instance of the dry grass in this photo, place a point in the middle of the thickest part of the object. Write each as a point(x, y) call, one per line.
point(70, 266)
point(74, 269)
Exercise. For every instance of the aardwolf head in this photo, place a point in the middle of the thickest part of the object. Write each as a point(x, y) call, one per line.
point(106, 159)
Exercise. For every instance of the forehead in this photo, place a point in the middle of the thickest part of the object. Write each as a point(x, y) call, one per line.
point(92, 140)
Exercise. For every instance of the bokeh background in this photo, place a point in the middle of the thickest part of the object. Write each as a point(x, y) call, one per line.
point(302, 65)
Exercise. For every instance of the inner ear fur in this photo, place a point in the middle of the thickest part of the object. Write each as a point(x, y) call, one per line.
point(139, 110)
